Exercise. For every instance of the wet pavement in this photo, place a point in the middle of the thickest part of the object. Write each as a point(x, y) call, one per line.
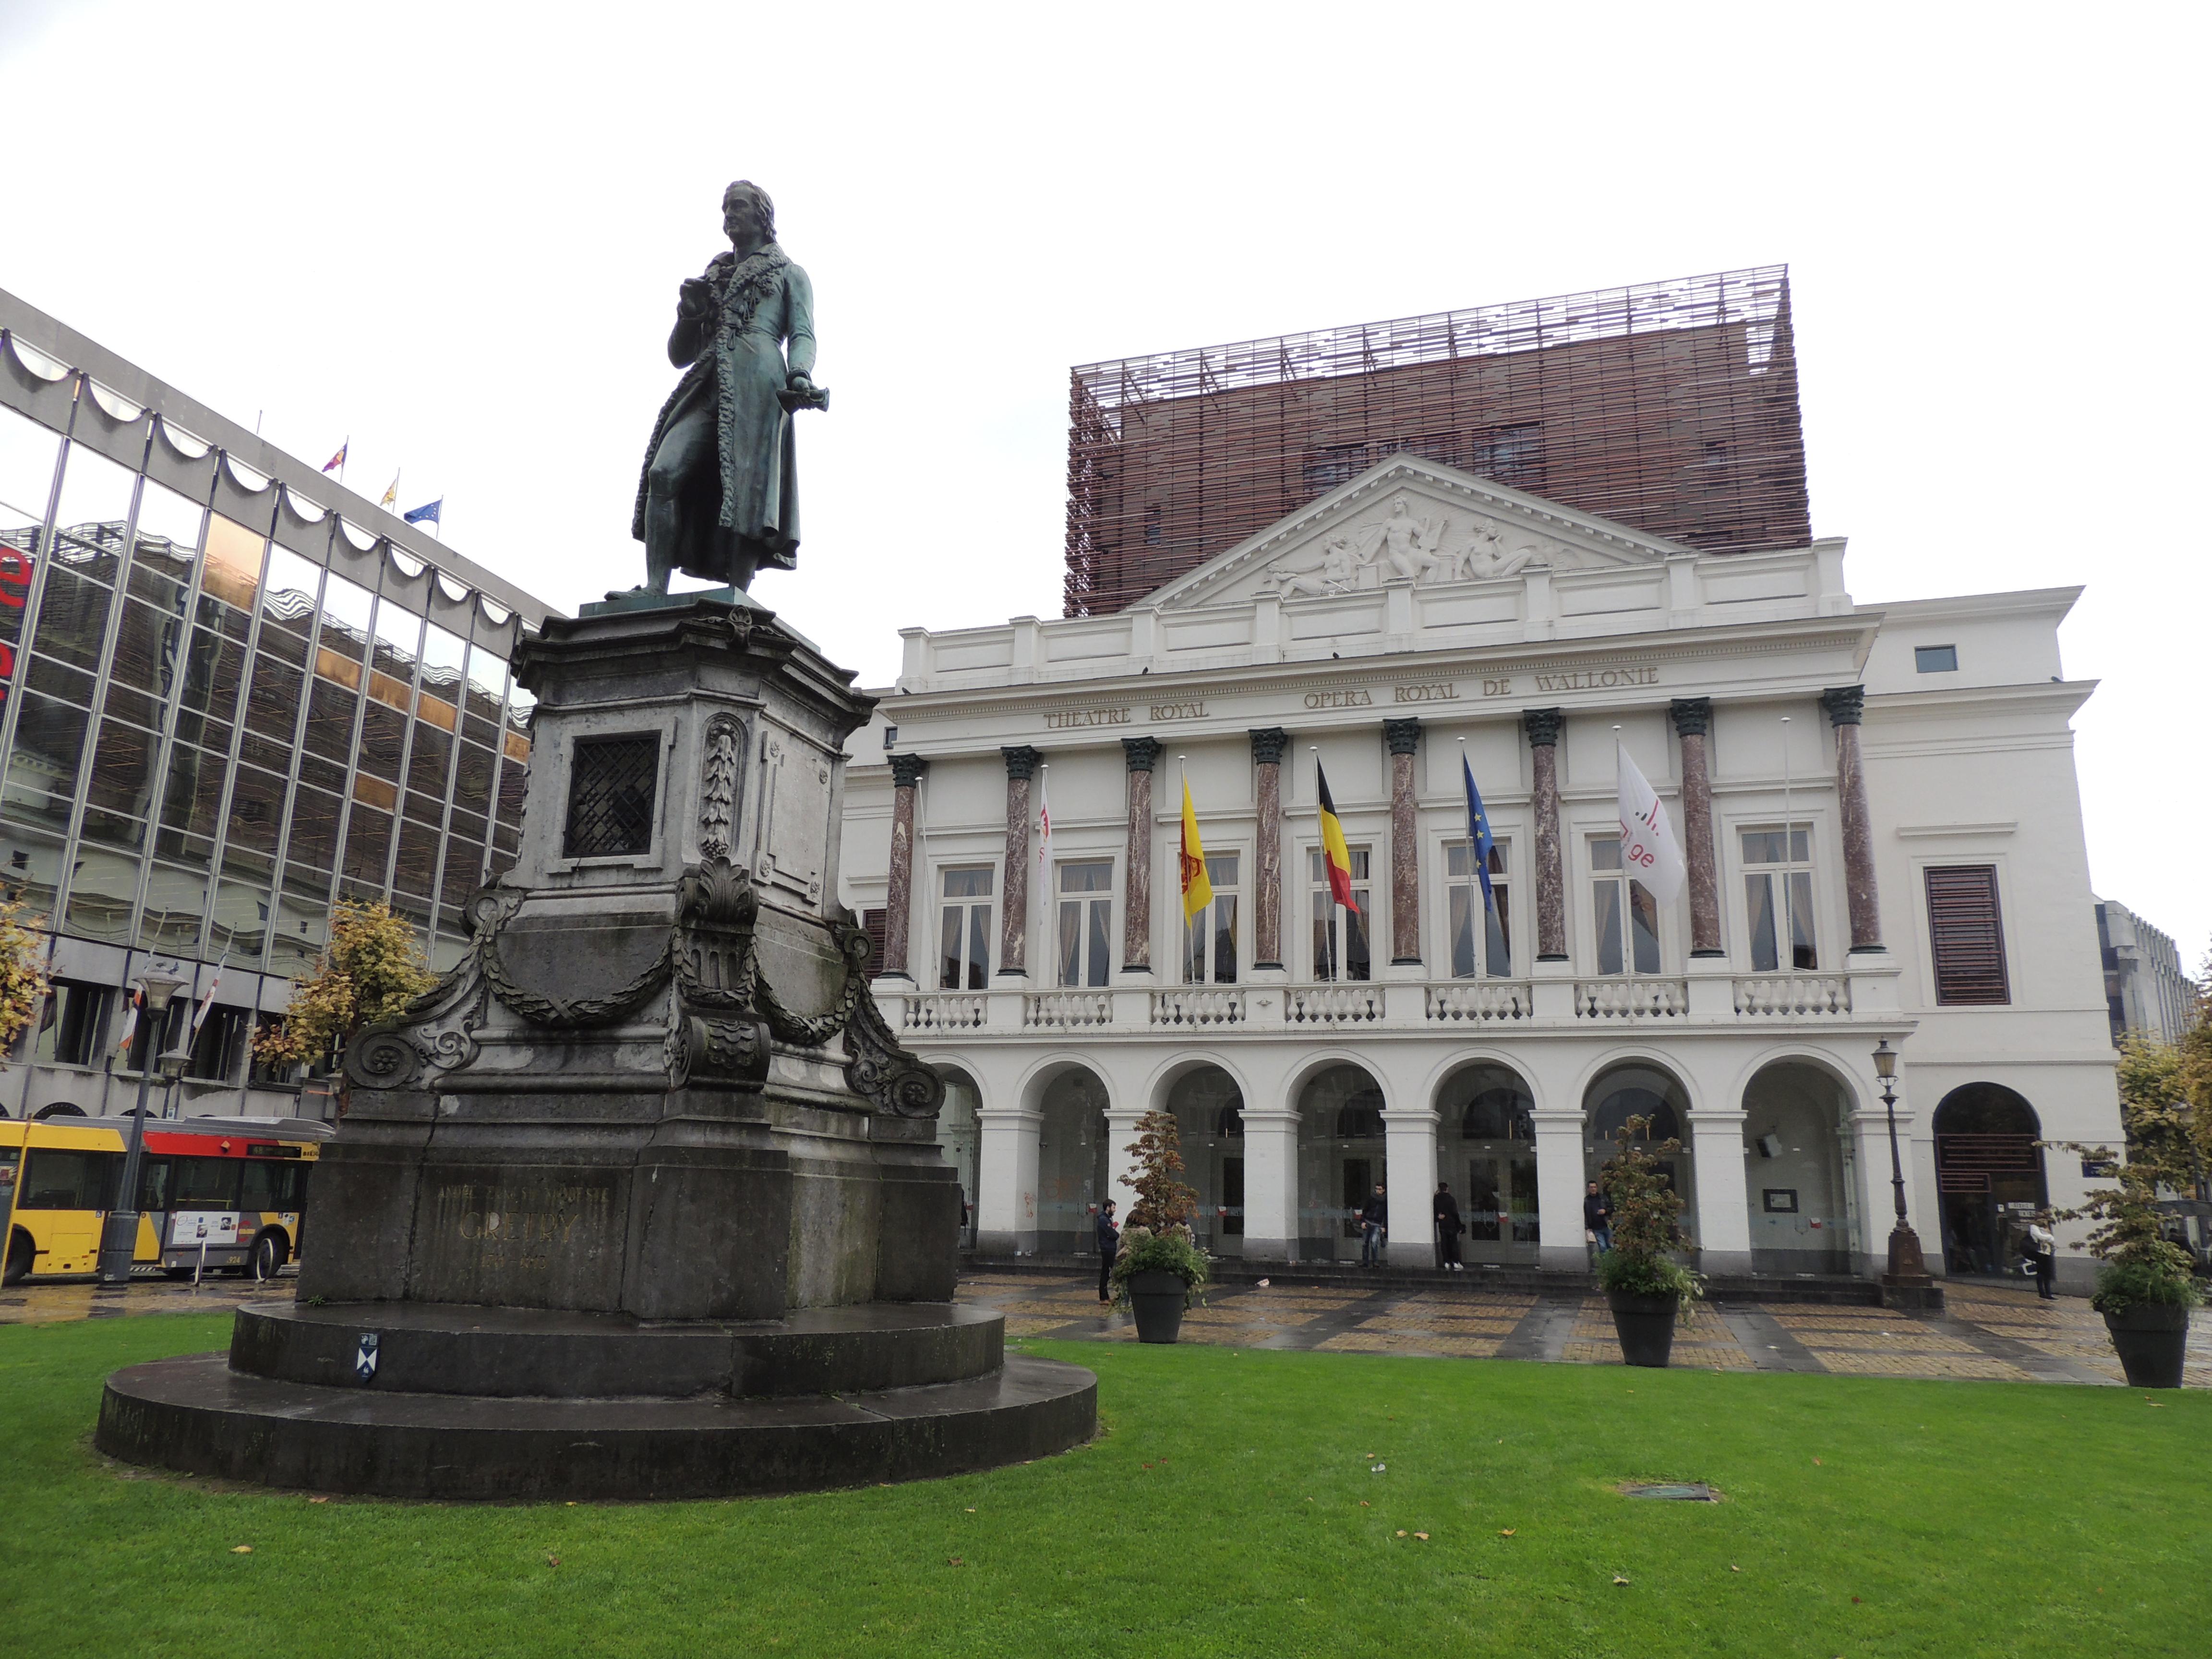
point(1987, 1331)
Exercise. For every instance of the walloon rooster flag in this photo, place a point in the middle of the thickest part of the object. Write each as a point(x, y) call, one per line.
point(1647, 846)
point(1197, 889)
point(1333, 851)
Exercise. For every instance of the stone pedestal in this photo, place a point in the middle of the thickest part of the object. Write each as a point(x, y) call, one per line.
point(655, 1097)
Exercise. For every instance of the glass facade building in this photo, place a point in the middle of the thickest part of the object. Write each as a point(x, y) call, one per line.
point(235, 694)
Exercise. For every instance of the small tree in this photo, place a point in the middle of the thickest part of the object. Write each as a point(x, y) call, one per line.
point(22, 972)
point(1646, 1228)
point(1158, 1238)
point(373, 968)
point(2140, 1263)
point(2156, 1111)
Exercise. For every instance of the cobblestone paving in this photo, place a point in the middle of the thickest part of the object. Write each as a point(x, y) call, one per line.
point(1987, 1331)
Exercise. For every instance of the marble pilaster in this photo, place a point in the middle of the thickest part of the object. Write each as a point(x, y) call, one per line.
point(1845, 705)
point(1404, 739)
point(1542, 726)
point(1694, 718)
point(898, 897)
point(1142, 754)
point(1267, 745)
point(1014, 934)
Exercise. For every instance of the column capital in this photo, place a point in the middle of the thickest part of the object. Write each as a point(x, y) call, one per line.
point(907, 770)
point(1542, 726)
point(1141, 753)
point(1403, 736)
point(1845, 704)
point(1693, 716)
point(1021, 762)
point(1269, 742)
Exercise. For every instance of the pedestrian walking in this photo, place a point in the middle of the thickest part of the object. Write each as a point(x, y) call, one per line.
point(1109, 1246)
point(2043, 1250)
point(1374, 1228)
point(1597, 1218)
point(1449, 1228)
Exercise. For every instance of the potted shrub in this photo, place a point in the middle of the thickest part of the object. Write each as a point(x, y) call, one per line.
point(2145, 1288)
point(1160, 1271)
point(1646, 1287)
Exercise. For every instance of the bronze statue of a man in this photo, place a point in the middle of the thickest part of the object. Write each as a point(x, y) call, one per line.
point(719, 497)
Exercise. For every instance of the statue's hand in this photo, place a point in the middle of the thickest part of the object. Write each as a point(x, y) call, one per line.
point(799, 382)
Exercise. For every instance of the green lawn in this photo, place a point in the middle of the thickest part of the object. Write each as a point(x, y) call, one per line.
point(1228, 1508)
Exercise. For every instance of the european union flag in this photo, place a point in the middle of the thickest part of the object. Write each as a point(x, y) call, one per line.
point(428, 512)
point(1478, 831)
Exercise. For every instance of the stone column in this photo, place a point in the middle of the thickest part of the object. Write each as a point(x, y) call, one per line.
point(1137, 905)
point(898, 899)
point(1120, 1135)
point(1014, 933)
point(1693, 718)
point(1559, 1182)
point(1723, 1215)
point(1404, 737)
point(1844, 704)
point(1409, 1175)
point(1006, 1180)
point(1271, 1185)
point(1542, 726)
point(1267, 745)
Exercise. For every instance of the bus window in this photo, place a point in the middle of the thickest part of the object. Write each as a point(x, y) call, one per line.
point(204, 1183)
point(154, 1184)
point(271, 1186)
point(56, 1178)
point(9, 1155)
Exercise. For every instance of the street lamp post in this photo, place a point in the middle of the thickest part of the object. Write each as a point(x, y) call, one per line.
point(1907, 1283)
point(118, 1240)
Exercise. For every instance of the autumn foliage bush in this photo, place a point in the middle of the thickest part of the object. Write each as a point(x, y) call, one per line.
point(1646, 1228)
point(373, 968)
point(1158, 1237)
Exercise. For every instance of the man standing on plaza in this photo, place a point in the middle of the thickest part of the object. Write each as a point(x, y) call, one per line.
point(1449, 1228)
point(1109, 1246)
point(1374, 1229)
point(1597, 1218)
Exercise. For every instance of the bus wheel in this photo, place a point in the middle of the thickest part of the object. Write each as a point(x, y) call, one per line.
point(269, 1254)
point(19, 1259)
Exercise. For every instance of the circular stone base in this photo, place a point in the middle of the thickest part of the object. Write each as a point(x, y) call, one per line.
point(198, 1416)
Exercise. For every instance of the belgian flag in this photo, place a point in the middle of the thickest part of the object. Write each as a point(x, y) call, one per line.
point(1333, 853)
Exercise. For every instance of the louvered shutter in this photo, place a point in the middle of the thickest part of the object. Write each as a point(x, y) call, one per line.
point(877, 924)
point(1966, 934)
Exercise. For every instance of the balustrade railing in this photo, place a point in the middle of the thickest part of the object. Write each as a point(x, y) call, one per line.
point(1067, 1010)
point(1793, 994)
point(1331, 1004)
point(1480, 1000)
point(941, 1013)
point(1632, 998)
point(1198, 1004)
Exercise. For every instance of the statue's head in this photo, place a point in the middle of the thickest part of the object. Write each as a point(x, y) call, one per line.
point(1398, 507)
point(745, 206)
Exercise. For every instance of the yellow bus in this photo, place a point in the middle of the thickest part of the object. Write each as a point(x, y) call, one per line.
point(213, 1192)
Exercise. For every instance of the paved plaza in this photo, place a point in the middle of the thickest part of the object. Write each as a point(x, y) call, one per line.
point(1988, 1331)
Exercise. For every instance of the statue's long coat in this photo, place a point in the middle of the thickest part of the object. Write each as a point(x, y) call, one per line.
point(740, 365)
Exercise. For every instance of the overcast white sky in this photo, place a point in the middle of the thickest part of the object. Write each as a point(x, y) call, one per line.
point(455, 235)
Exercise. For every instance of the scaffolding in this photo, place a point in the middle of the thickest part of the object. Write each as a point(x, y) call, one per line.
point(1671, 407)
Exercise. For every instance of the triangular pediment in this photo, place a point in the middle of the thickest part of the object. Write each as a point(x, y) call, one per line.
point(1407, 518)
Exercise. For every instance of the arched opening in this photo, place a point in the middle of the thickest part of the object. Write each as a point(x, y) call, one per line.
point(959, 1137)
point(1638, 1089)
point(1486, 1152)
point(1988, 1176)
point(1209, 1115)
point(1341, 1159)
point(1797, 1161)
point(1071, 1164)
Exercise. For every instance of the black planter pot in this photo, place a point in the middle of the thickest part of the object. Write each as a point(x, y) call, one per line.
point(1645, 1325)
point(2151, 1339)
point(1157, 1298)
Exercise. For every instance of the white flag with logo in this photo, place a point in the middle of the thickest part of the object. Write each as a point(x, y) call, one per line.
point(1648, 847)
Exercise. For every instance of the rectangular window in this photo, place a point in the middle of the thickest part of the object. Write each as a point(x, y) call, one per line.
point(1339, 935)
point(964, 951)
point(1935, 658)
point(1086, 923)
point(612, 783)
point(57, 1179)
point(1777, 890)
point(1966, 935)
point(1481, 940)
point(1627, 916)
point(71, 1026)
point(1209, 938)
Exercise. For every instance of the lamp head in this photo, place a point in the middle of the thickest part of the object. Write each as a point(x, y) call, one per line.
point(173, 1063)
point(160, 988)
point(1885, 1060)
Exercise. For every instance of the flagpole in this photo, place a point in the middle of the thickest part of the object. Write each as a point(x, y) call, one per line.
point(345, 454)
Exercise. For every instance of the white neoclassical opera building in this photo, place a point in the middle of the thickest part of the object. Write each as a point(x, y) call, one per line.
point(1877, 805)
